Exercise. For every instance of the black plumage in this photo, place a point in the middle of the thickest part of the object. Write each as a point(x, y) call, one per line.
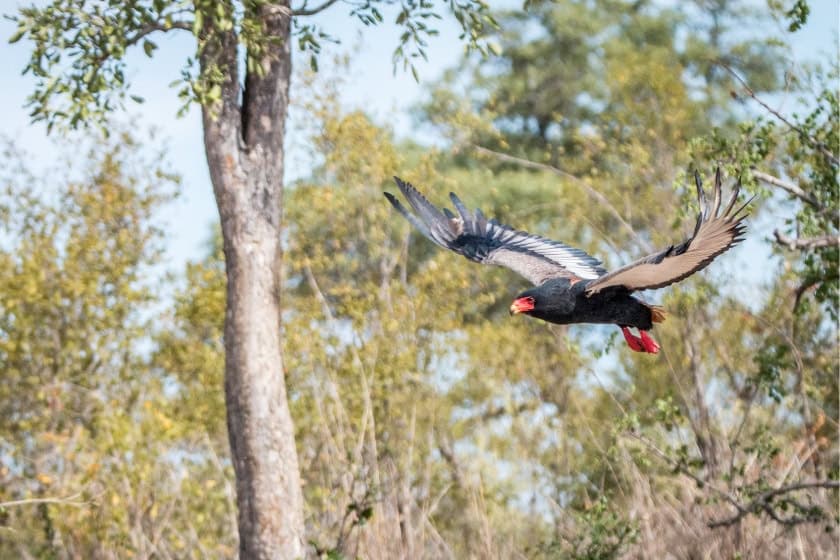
point(563, 302)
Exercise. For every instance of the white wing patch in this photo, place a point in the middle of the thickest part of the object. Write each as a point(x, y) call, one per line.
point(485, 241)
point(574, 260)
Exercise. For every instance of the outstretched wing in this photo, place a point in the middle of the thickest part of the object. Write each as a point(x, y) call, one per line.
point(489, 242)
point(713, 234)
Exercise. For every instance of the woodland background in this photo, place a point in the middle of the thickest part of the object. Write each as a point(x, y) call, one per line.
point(429, 423)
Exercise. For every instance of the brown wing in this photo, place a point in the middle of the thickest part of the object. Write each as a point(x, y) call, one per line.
point(714, 234)
point(488, 242)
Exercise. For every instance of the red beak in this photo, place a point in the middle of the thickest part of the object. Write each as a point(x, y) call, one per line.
point(521, 305)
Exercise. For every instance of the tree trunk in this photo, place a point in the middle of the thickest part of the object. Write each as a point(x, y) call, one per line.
point(259, 423)
point(244, 146)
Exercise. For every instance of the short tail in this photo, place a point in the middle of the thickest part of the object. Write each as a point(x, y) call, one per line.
point(657, 314)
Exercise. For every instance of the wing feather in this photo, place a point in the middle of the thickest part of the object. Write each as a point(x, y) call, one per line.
point(490, 242)
point(713, 234)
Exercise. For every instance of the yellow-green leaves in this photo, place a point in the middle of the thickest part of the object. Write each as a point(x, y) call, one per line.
point(75, 309)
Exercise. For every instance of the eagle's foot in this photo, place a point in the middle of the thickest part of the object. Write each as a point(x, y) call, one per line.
point(642, 343)
point(633, 341)
point(650, 345)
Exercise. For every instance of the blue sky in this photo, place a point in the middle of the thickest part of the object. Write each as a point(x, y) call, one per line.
point(371, 85)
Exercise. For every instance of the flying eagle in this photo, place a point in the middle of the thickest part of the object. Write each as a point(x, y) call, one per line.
point(570, 285)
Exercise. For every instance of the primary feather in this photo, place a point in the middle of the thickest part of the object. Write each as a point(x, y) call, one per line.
point(714, 233)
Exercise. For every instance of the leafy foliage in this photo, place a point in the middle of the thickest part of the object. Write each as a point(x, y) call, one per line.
point(83, 420)
point(80, 46)
point(601, 535)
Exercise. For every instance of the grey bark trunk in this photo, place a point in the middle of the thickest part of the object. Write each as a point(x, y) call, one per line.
point(244, 146)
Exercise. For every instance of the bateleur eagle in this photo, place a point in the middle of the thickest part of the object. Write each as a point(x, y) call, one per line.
point(570, 285)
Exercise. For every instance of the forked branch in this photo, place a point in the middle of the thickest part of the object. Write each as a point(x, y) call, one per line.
point(764, 502)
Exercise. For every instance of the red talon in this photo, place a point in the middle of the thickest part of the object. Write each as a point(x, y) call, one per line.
point(650, 345)
point(633, 341)
point(643, 343)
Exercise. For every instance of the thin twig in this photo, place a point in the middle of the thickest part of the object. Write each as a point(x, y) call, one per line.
point(304, 11)
point(805, 136)
point(68, 501)
point(761, 503)
point(557, 171)
point(145, 30)
point(729, 497)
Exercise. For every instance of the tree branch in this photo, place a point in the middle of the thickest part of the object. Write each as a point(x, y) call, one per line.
point(789, 187)
point(557, 171)
point(147, 29)
point(304, 11)
point(807, 243)
point(68, 501)
point(763, 502)
point(819, 146)
point(800, 291)
point(680, 467)
point(157, 26)
point(445, 449)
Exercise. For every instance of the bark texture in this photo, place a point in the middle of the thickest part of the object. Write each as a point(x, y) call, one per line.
point(244, 144)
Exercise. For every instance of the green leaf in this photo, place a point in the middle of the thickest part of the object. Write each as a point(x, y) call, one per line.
point(149, 48)
point(21, 31)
